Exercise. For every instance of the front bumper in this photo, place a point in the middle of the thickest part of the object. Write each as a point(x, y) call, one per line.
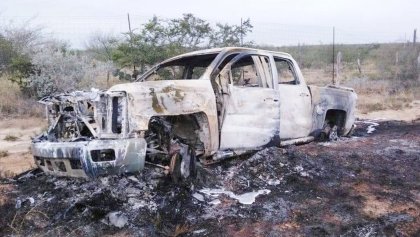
point(90, 158)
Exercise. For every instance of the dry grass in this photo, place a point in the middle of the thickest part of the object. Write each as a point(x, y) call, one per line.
point(17, 125)
point(11, 138)
point(375, 102)
point(31, 217)
point(7, 174)
point(13, 103)
point(3, 153)
point(181, 230)
point(373, 94)
point(100, 82)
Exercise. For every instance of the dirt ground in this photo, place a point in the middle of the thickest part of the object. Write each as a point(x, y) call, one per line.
point(407, 114)
point(15, 141)
point(366, 185)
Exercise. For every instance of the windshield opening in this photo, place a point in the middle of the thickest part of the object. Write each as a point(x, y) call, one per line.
point(191, 67)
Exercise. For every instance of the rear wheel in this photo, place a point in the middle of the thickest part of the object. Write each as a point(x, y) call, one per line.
point(333, 136)
point(329, 133)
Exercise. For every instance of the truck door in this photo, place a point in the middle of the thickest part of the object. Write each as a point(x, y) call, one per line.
point(249, 117)
point(295, 100)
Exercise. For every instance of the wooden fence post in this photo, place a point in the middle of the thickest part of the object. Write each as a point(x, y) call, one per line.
point(338, 67)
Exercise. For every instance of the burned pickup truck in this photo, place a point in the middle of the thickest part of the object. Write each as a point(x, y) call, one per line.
point(203, 106)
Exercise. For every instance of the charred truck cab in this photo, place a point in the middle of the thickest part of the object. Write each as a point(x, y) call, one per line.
point(203, 106)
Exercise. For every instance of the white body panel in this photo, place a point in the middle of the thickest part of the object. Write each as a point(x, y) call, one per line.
point(251, 119)
point(295, 111)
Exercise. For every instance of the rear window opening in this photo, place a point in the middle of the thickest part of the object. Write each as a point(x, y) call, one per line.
point(185, 68)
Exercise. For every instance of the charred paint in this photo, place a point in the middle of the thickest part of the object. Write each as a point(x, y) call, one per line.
point(155, 102)
point(233, 121)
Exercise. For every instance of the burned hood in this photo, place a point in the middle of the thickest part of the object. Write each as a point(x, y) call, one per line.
point(164, 98)
point(72, 97)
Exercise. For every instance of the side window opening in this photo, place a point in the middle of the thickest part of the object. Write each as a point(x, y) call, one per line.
point(267, 79)
point(167, 73)
point(252, 71)
point(285, 72)
point(196, 72)
point(226, 61)
point(244, 73)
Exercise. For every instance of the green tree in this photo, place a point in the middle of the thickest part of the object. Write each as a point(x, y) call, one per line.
point(6, 54)
point(188, 32)
point(159, 39)
point(13, 63)
point(230, 35)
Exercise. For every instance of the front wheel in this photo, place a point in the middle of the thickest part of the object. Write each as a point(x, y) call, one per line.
point(333, 136)
point(183, 164)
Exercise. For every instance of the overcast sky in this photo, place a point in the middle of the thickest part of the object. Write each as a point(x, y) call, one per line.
point(276, 22)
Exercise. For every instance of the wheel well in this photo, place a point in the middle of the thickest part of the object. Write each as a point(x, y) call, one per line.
point(336, 117)
point(165, 131)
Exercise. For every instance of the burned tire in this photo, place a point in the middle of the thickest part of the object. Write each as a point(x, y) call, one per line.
point(329, 133)
point(333, 135)
point(183, 164)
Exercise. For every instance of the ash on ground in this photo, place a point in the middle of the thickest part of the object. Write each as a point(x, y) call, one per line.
point(366, 185)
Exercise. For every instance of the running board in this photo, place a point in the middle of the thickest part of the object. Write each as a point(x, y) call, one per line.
point(297, 141)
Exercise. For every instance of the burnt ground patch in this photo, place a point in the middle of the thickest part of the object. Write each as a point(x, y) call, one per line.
point(366, 185)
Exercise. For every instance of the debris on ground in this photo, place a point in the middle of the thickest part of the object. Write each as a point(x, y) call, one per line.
point(366, 185)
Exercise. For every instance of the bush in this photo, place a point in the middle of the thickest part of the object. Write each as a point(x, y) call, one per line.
point(13, 102)
point(60, 70)
point(11, 138)
point(3, 153)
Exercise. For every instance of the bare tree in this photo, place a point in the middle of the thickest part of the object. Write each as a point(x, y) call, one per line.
point(101, 45)
point(26, 37)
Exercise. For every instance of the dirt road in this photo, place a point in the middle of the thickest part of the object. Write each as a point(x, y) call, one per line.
point(367, 185)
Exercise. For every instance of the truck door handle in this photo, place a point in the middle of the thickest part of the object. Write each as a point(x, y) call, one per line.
point(304, 94)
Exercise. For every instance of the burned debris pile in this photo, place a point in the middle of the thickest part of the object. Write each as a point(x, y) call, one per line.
point(361, 186)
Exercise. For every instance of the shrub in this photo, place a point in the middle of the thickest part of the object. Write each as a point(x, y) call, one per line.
point(61, 70)
point(13, 102)
point(11, 138)
point(3, 153)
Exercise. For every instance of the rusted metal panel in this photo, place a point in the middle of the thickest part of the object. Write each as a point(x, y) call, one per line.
point(332, 97)
point(169, 98)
